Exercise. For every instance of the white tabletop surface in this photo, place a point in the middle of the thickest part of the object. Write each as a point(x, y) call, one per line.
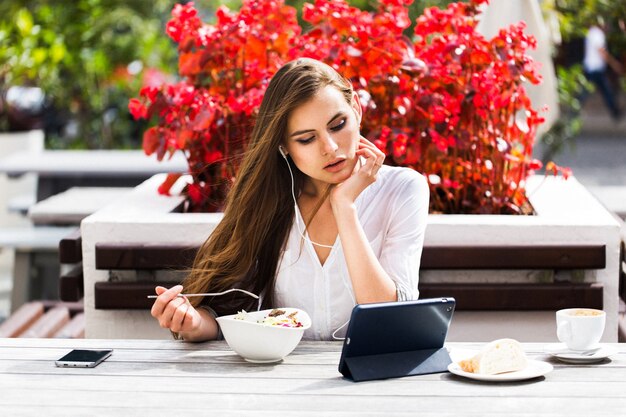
point(152, 377)
point(34, 238)
point(98, 162)
point(73, 205)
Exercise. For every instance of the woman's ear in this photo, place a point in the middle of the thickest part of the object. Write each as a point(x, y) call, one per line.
point(356, 106)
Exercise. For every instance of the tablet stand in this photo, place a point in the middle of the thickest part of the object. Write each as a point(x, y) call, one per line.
point(394, 365)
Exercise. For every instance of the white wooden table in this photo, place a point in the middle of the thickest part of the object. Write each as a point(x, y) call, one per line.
point(57, 171)
point(152, 377)
point(99, 163)
point(73, 205)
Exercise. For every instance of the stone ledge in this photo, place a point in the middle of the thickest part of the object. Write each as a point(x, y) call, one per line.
point(613, 197)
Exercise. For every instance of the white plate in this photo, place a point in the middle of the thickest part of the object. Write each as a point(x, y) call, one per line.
point(534, 369)
point(562, 353)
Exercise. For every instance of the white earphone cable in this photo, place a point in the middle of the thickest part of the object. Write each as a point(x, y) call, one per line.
point(339, 328)
point(296, 209)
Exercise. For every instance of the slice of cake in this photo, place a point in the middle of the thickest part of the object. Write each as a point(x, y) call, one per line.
point(499, 356)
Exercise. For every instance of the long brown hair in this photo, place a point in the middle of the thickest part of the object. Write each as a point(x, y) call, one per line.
point(244, 249)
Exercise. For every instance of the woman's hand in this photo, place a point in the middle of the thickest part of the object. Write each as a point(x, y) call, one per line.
point(350, 189)
point(173, 312)
point(369, 280)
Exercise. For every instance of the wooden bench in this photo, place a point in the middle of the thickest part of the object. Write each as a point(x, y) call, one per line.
point(36, 250)
point(57, 319)
point(45, 319)
point(71, 286)
point(153, 256)
point(67, 208)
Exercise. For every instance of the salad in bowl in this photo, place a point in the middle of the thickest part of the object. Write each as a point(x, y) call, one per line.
point(264, 336)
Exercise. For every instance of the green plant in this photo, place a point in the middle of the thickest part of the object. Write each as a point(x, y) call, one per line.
point(88, 56)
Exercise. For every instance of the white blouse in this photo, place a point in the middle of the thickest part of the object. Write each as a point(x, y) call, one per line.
point(393, 212)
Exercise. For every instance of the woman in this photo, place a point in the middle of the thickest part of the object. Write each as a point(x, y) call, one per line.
point(313, 221)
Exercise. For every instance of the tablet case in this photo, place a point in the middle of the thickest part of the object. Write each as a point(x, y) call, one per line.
point(390, 340)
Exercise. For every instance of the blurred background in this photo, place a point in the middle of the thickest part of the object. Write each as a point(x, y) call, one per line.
point(70, 68)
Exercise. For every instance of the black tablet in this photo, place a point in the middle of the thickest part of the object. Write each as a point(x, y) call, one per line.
point(387, 340)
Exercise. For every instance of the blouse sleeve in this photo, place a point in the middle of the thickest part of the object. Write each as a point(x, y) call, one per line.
point(402, 245)
point(212, 312)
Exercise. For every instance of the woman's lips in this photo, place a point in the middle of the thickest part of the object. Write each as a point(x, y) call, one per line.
point(335, 166)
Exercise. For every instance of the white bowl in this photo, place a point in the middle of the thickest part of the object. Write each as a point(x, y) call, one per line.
point(262, 343)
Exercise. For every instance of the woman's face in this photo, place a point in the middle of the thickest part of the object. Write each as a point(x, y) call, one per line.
point(322, 136)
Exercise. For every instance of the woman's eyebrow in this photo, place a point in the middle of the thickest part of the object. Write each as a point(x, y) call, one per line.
point(332, 119)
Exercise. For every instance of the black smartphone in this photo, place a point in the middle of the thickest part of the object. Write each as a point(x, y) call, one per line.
point(79, 358)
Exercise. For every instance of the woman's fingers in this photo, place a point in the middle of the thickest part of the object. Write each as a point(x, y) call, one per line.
point(163, 299)
point(173, 312)
point(370, 157)
point(373, 162)
point(372, 154)
point(170, 310)
point(164, 296)
point(180, 316)
point(367, 144)
point(365, 175)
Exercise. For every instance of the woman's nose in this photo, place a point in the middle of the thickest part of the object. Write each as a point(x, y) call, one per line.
point(329, 146)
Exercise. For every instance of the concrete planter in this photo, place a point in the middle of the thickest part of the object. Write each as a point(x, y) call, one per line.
point(566, 212)
point(10, 142)
point(26, 186)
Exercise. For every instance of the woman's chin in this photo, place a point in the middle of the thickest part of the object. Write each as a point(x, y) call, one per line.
point(341, 178)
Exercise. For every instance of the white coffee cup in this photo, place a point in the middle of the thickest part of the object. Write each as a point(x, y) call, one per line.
point(580, 328)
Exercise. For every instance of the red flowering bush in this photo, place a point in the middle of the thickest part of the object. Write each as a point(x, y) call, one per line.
point(448, 103)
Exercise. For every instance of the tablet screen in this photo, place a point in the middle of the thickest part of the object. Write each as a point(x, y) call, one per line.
point(381, 328)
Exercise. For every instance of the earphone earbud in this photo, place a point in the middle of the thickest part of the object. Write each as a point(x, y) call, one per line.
point(282, 151)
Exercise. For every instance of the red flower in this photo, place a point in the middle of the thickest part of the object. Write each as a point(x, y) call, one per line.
point(137, 109)
point(164, 189)
point(441, 142)
point(213, 157)
point(149, 92)
point(566, 172)
point(195, 193)
point(535, 164)
point(451, 184)
point(151, 140)
point(450, 103)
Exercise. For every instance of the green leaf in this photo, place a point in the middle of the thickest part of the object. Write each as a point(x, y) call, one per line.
point(24, 22)
point(57, 52)
point(49, 36)
point(100, 62)
point(39, 55)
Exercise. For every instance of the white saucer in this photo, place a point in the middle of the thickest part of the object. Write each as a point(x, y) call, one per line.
point(534, 369)
point(564, 354)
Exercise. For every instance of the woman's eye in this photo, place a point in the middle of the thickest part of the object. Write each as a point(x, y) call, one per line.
point(338, 126)
point(305, 141)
